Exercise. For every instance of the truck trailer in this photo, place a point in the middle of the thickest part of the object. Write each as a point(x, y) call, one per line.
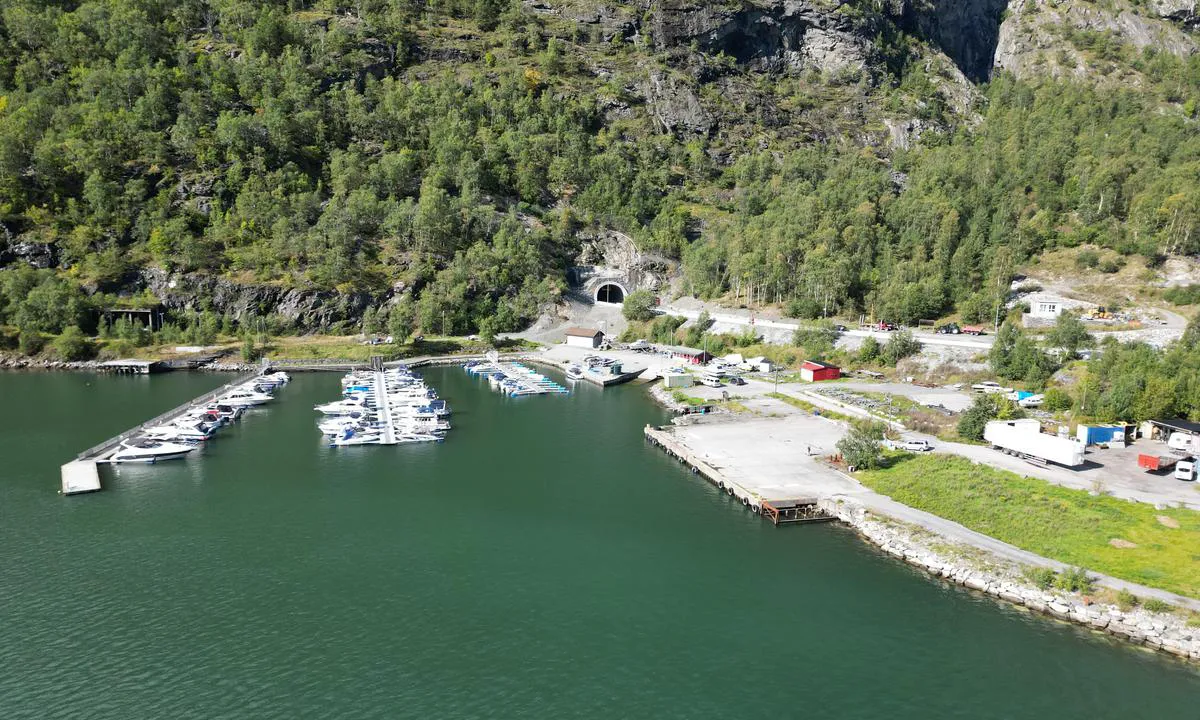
point(1155, 463)
point(1025, 439)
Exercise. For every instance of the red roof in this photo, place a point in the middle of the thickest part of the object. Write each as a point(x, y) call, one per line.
point(814, 365)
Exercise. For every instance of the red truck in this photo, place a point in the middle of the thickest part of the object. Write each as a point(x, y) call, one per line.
point(1157, 462)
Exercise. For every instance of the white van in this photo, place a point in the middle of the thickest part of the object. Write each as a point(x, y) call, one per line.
point(1185, 470)
point(710, 381)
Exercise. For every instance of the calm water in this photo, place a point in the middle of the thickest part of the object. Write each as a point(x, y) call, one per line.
point(542, 563)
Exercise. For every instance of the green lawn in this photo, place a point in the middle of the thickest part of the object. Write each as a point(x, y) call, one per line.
point(1067, 525)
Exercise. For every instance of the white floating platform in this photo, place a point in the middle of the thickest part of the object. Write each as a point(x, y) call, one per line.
point(80, 476)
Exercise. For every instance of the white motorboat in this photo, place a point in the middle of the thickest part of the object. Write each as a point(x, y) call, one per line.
point(352, 437)
point(349, 406)
point(575, 372)
point(182, 432)
point(147, 450)
point(244, 398)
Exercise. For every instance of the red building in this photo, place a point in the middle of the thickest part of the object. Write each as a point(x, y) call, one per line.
point(814, 371)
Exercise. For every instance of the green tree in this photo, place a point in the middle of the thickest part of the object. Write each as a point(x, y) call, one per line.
point(1069, 334)
point(639, 306)
point(900, 345)
point(861, 448)
point(869, 351)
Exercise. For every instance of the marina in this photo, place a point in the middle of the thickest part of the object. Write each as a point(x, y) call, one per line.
point(384, 407)
point(514, 551)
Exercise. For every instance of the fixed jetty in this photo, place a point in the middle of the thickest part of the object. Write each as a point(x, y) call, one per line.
point(780, 511)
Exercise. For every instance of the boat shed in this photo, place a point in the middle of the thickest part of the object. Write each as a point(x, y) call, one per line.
point(132, 367)
point(584, 337)
point(690, 355)
point(1162, 429)
point(813, 371)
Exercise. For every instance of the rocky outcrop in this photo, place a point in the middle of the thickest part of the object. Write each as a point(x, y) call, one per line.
point(1036, 36)
point(675, 104)
point(1180, 11)
point(610, 256)
point(967, 31)
point(765, 36)
point(38, 254)
point(307, 310)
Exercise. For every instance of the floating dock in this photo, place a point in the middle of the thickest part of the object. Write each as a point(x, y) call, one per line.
point(513, 378)
point(82, 475)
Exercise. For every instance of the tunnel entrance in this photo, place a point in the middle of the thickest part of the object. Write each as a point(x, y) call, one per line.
point(610, 293)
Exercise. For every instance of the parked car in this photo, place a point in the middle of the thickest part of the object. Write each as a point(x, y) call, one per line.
point(947, 329)
point(1185, 470)
point(735, 380)
point(840, 328)
point(710, 381)
point(916, 445)
point(886, 326)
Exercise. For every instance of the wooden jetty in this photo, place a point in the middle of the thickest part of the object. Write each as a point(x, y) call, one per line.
point(82, 475)
point(132, 367)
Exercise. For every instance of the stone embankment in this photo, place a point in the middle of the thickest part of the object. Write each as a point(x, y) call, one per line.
point(18, 362)
point(1166, 632)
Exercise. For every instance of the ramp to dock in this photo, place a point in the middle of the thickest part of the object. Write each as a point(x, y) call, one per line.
point(80, 476)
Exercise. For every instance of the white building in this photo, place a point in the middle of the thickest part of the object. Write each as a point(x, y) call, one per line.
point(1044, 306)
point(584, 337)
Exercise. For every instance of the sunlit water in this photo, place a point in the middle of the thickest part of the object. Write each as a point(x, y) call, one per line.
point(543, 563)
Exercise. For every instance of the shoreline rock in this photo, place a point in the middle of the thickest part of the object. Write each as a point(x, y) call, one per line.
point(1166, 632)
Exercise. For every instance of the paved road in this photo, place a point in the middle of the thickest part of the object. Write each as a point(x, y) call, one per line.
point(746, 319)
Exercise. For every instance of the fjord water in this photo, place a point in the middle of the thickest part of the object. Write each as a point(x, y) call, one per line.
point(543, 562)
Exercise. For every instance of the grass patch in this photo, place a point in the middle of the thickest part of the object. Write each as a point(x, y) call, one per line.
point(809, 407)
point(1066, 525)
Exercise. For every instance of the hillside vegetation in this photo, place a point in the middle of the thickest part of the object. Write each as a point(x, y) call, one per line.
point(444, 160)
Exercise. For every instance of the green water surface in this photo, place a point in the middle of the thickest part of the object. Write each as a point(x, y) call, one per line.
point(544, 562)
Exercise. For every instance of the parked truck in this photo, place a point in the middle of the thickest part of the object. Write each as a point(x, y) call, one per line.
point(1025, 439)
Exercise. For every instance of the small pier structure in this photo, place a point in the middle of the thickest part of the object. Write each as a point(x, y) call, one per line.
point(82, 475)
point(133, 367)
point(787, 511)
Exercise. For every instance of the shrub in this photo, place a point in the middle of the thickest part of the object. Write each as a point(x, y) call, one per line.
point(72, 345)
point(900, 345)
point(31, 342)
point(1110, 265)
point(1087, 259)
point(1057, 399)
point(868, 352)
point(1126, 600)
point(1157, 606)
point(1074, 580)
point(1041, 577)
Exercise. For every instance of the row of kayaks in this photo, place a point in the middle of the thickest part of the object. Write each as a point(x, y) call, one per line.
point(514, 379)
point(394, 406)
point(182, 435)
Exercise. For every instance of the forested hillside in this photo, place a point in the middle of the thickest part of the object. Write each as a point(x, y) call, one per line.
point(439, 162)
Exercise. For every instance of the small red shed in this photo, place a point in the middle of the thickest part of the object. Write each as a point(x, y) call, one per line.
point(814, 371)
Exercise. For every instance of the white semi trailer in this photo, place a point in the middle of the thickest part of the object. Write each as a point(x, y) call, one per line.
point(1025, 439)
